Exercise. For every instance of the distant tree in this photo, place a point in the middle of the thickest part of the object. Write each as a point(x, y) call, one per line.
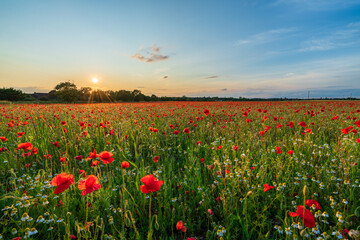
point(67, 91)
point(84, 93)
point(154, 98)
point(124, 96)
point(11, 94)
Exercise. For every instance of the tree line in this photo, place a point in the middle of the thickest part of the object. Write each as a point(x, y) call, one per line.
point(69, 93)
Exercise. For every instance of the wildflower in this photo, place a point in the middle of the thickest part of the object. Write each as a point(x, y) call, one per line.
point(267, 187)
point(26, 146)
point(180, 226)
point(92, 155)
point(206, 112)
point(151, 184)
point(125, 164)
point(25, 217)
point(305, 215)
point(311, 203)
point(89, 185)
point(62, 181)
point(156, 159)
point(106, 157)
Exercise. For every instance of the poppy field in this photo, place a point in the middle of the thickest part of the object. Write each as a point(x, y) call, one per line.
point(180, 170)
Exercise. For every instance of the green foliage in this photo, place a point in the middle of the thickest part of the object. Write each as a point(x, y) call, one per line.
point(11, 94)
point(67, 91)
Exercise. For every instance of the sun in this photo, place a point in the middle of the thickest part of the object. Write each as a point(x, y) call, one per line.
point(95, 80)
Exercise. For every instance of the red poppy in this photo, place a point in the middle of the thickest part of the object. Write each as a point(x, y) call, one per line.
point(309, 203)
point(106, 157)
point(186, 130)
point(2, 149)
point(267, 187)
point(78, 157)
point(278, 150)
point(62, 181)
point(235, 148)
point(56, 144)
point(92, 155)
point(206, 112)
point(180, 226)
point(26, 146)
point(125, 164)
point(34, 151)
point(151, 184)
point(305, 215)
point(4, 139)
point(303, 124)
point(308, 130)
point(20, 134)
point(156, 159)
point(89, 185)
point(95, 163)
point(290, 152)
point(358, 140)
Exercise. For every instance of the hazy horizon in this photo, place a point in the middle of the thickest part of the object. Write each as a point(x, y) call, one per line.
point(228, 49)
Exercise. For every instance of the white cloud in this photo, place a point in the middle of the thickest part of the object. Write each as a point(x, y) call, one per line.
point(267, 36)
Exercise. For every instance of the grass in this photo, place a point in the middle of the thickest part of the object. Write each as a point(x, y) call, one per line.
point(228, 181)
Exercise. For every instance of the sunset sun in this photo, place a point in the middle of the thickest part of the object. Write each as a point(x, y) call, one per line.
point(95, 80)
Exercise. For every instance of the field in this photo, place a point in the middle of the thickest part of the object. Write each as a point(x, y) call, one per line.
point(180, 170)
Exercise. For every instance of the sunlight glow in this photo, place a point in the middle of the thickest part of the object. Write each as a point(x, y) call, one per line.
point(95, 80)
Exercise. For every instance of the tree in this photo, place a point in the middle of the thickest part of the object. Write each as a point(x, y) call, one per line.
point(67, 91)
point(11, 94)
point(84, 93)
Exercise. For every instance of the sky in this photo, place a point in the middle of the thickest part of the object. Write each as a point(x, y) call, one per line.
point(269, 48)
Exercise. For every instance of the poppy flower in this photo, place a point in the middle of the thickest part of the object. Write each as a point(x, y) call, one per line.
point(206, 112)
point(62, 181)
point(89, 185)
point(106, 157)
point(305, 215)
point(267, 187)
point(2, 149)
point(290, 152)
point(278, 150)
point(302, 124)
point(180, 226)
point(34, 151)
point(78, 157)
point(4, 139)
point(56, 144)
point(186, 130)
point(95, 163)
point(151, 184)
point(92, 155)
point(156, 159)
point(26, 146)
point(125, 164)
point(20, 134)
point(310, 203)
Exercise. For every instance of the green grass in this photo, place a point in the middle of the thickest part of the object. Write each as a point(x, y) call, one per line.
point(229, 182)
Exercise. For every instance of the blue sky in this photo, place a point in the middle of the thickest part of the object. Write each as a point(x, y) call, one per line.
point(280, 48)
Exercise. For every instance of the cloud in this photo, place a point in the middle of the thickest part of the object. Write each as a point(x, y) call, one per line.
point(33, 89)
point(343, 37)
point(209, 77)
point(267, 36)
point(152, 54)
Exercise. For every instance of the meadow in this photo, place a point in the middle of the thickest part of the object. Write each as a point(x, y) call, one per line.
point(180, 170)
